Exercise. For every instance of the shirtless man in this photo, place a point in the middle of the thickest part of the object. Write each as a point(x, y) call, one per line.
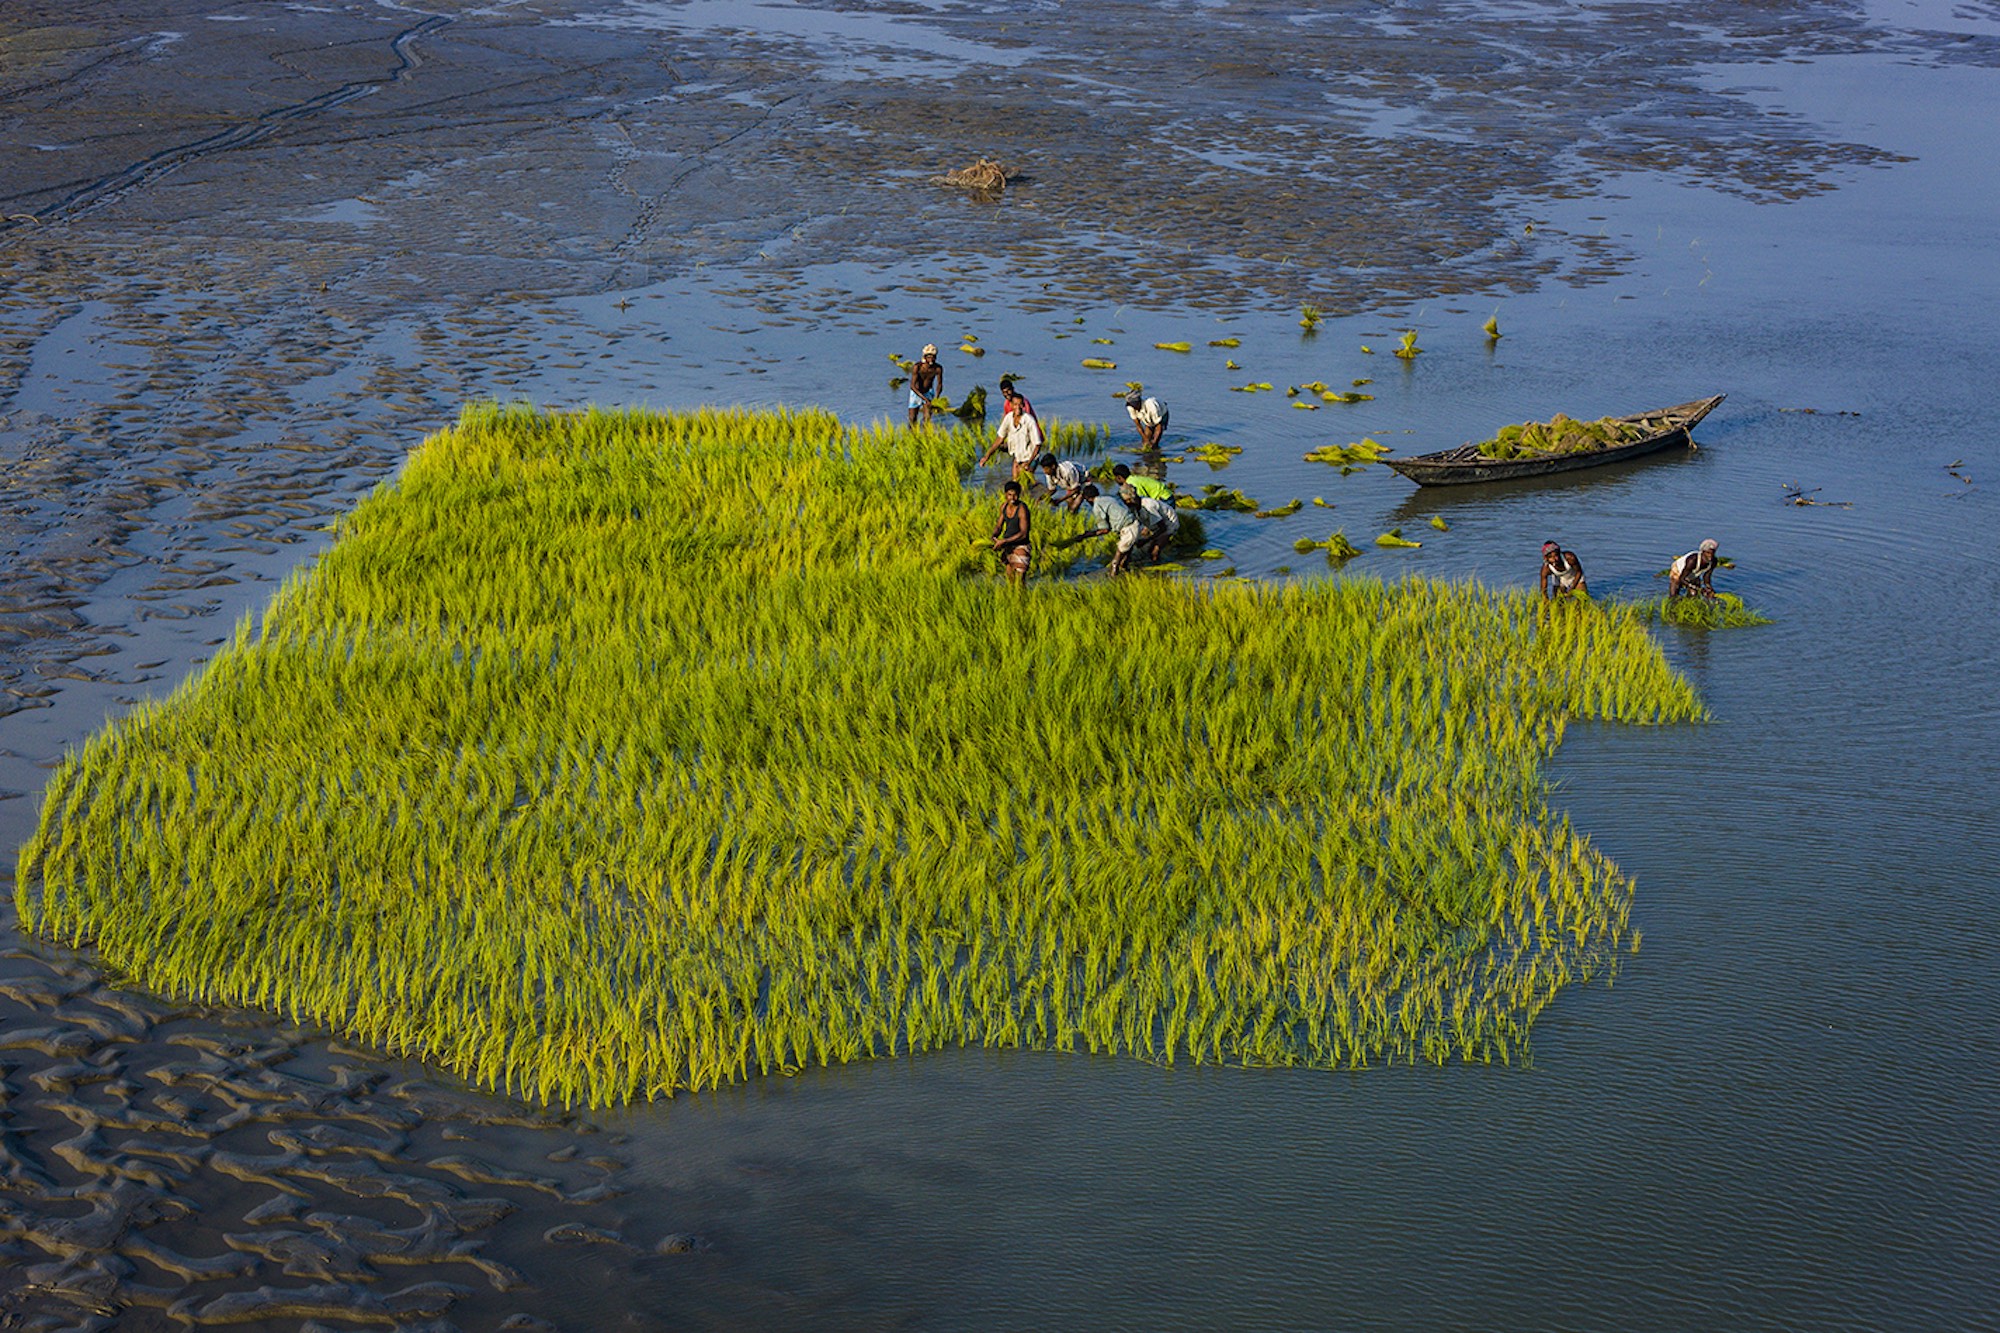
point(926, 383)
point(1564, 569)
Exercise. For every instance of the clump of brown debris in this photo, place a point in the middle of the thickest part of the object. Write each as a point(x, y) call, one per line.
point(985, 174)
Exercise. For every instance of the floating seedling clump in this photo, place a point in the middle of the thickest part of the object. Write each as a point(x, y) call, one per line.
point(1215, 455)
point(1722, 611)
point(609, 754)
point(1348, 457)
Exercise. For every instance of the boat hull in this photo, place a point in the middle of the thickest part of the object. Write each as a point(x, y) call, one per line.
point(1465, 466)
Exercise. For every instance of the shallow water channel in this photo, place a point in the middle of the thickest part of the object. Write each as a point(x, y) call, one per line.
point(253, 254)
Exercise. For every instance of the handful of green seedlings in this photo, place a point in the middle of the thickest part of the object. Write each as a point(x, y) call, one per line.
point(610, 754)
point(1562, 435)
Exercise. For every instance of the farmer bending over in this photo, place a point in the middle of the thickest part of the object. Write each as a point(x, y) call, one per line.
point(1693, 573)
point(1160, 521)
point(1065, 480)
point(1145, 487)
point(1564, 569)
point(1149, 415)
point(1108, 515)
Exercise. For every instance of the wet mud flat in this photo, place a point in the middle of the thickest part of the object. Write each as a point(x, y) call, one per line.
point(248, 257)
point(177, 1168)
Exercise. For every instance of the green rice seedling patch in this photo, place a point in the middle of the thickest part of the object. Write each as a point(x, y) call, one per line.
point(1225, 342)
point(1282, 511)
point(610, 754)
point(1724, 611)
point(1174, 347)
point(1395, 537)
point(1098, 363)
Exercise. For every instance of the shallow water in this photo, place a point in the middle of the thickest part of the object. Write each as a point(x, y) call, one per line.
point(1784, 1113)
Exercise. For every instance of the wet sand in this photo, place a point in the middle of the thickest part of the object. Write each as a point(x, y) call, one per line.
point(248, 256)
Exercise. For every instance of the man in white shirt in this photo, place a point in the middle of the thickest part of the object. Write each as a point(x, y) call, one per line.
point(1021, 434)
point(1149, 415)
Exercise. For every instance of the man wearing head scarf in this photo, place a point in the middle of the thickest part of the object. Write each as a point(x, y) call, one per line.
point(1694, 572)
point(1149, 415)
point(1563, 569)
point(926, 383)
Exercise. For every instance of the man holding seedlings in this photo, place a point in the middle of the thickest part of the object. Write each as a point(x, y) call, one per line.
point(1108, 515)
point(1020, 433)
point(1694, 572)
point(1564, 569)
point(1149, 415)
point(926, 383)
point(1011, 533)
point(1064, 478)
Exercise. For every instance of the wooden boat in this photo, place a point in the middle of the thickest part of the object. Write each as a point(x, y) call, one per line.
point(1454, 467)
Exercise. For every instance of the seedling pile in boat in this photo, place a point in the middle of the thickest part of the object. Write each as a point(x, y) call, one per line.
point(1563, 435)
point(606, 755)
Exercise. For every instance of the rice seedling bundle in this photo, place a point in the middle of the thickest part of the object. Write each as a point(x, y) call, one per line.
point(1723, 611)
point(606, 755)
point(1562, 434)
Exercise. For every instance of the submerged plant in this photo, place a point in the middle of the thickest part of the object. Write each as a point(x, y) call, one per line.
point(1437, 521)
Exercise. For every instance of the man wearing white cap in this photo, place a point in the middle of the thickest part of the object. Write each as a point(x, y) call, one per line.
point(1149, 415)
point(926, 383)
point(1693, 573)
